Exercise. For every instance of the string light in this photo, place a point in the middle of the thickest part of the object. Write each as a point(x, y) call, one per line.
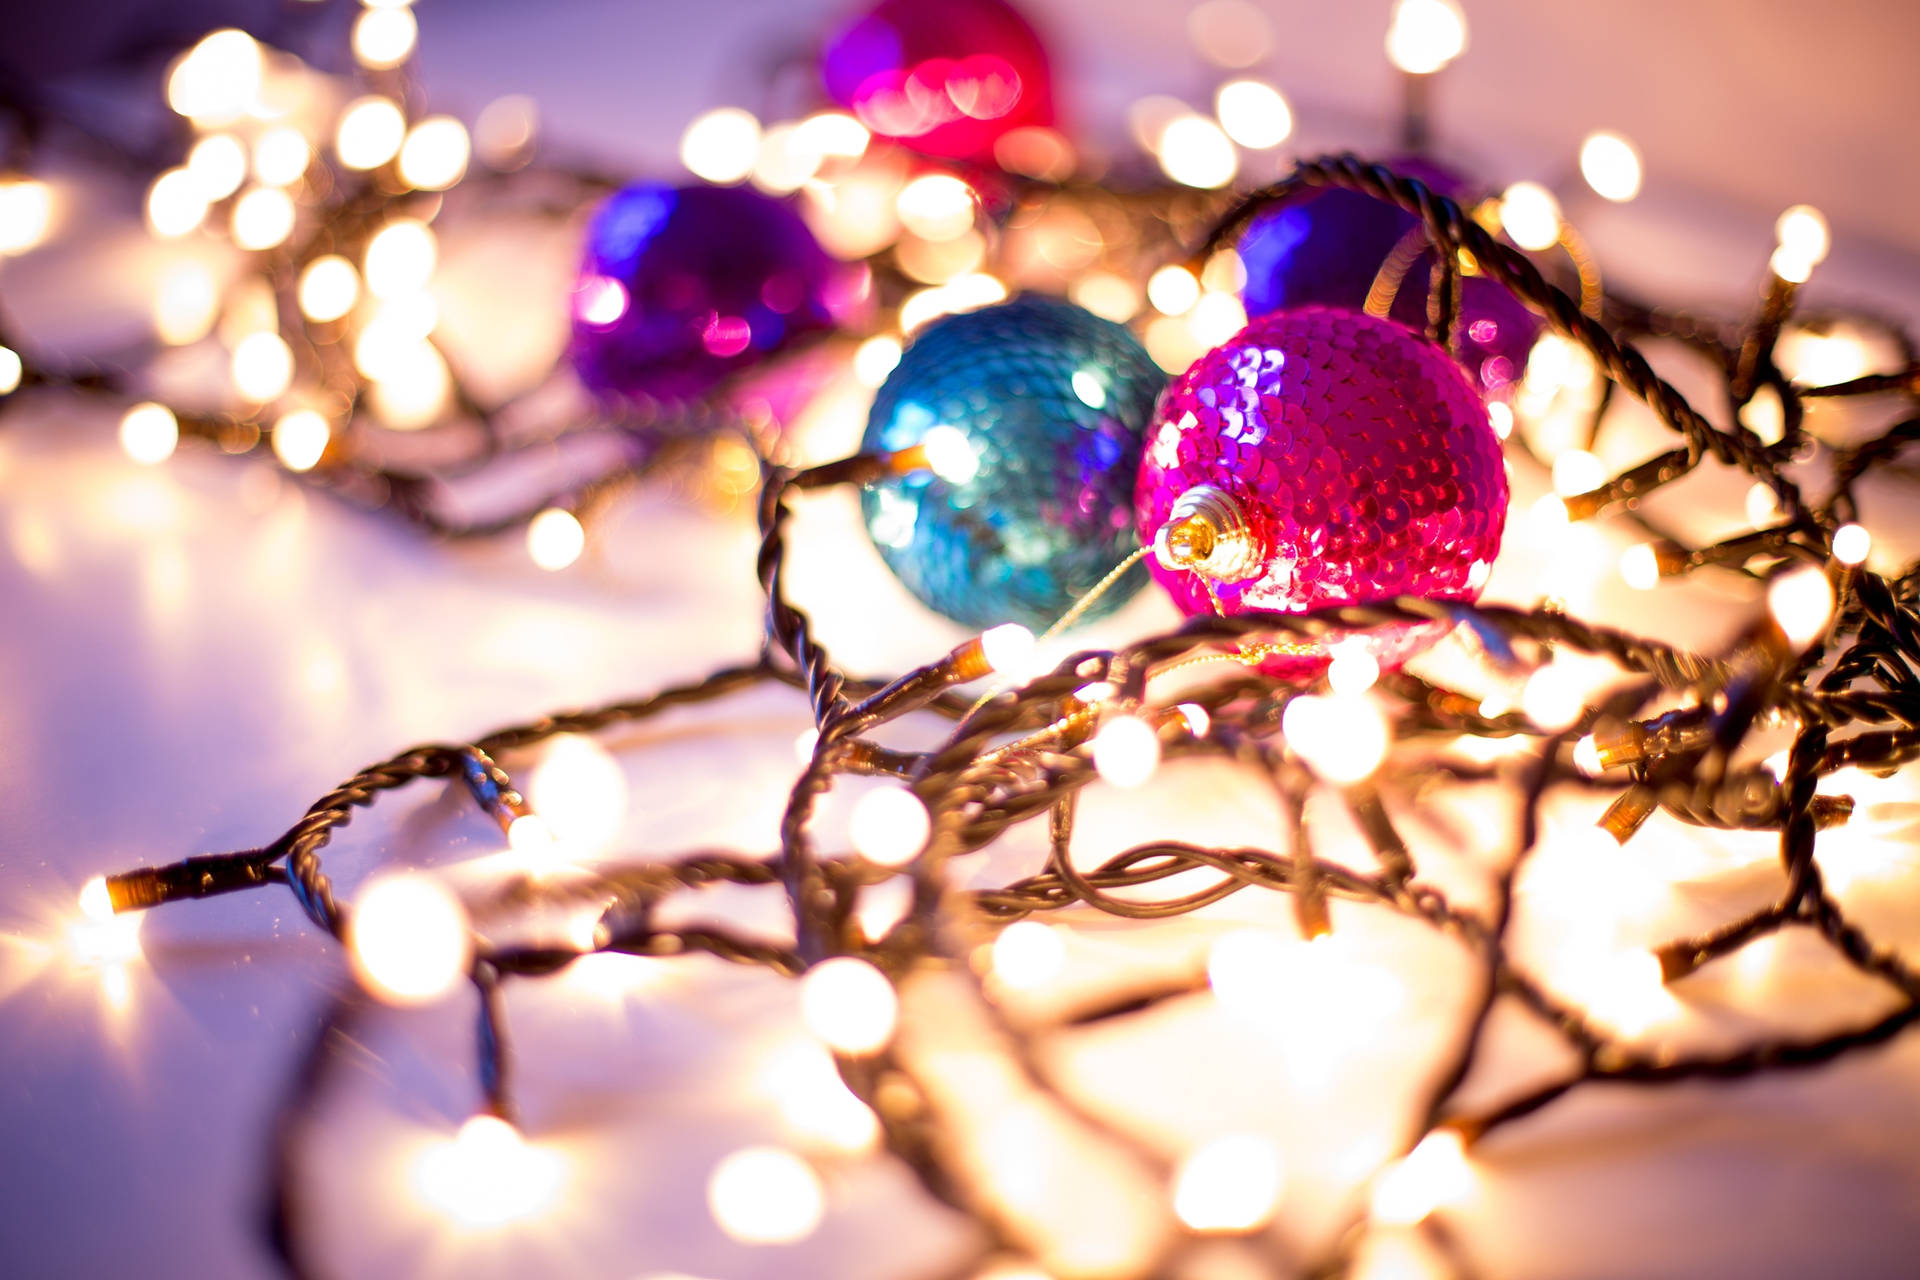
point(1577, 471)
point(12, 369)
point(262, 367)
point(399, 258)
point(889, 827)
point(262, 218)
point(1804, 241)
point(1027, 955)
point(1801, 602)
point(300, 438)
point(1434, 1174)
point(875, 359)
point(849, 1005)
point(1173, 290)
point(721, 146)
point(555, 539)
point(329, 286)
point(1342, 737)
point(817, 1108)
point(175, 204)
point(149, 433)
point(370, 133)
point(765, 1195)
point(1640, 567)
point(408, 938)
point(186, 304)
point(1107, 295)
point(219, 164)
point(1551, 698)
point(968, 292)
point(489, 1175)
point(434, 156)
point(1425, 35)
point(1217, 317)
point(1611, 165)
point(384, 38)
point(413, 387)
point(218, 79)
point(1126, 751)
point(833, 133)
point(1194, 152)
point(1530, 216)
point(1231, 1184)
point(1253, 114)
point(936, 206)
point(1354, 669)
point(1852, 544)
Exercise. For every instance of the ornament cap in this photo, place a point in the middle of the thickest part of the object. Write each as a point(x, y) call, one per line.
point(1207, 532)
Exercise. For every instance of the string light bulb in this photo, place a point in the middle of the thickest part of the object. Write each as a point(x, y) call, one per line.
point(1173, 290)
point(218, 79)
point(262, 218)
point(408, 938)
point(186, 304)
point(400, 258)
point(300, 438)
point(384, 38)
point(219, 164)
point(1852, 544)
point(281, 156)
point(1423, 36)
point(889, 826)
point(370, 133)
point(1803, 243)
point(1126, 751)
point(434, 156)
point(1433, 1174)
point(721, 145)
point(489, 1175)
point(1611, 166)
point(175, 204)
point(1231, 1184)
point(555, 539)
point(262, 367)
point(1253, 114)
point(12, 370)
point(1801, 602)
point(849, 1005)
point(1530, 216)
point(766, 1195)
point(1010, 650)
point(149, 433)
point(1195, 152)
point(329, 286)
point(875, 359)
point(1342, 737)
point(1027, 955)
point(936, 206)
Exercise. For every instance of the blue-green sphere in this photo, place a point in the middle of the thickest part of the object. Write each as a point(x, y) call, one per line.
point(1032, 413)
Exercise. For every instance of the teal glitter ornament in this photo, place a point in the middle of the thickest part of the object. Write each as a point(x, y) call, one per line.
point(1031, 416)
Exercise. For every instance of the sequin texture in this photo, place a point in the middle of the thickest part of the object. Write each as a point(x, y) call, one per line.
point(1033, 412)
point(1362, 457)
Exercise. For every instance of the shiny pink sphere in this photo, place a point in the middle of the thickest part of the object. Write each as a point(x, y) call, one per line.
point(1361, 458)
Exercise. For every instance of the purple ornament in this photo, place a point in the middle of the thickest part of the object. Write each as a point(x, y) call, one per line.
point(1328, 246)
point(1321, 457)
point(681, 287)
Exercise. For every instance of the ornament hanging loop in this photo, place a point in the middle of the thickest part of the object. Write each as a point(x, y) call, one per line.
point(1207, 532)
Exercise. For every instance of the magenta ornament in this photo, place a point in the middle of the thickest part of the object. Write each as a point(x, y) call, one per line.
point(945, 78)
point(1319, 458)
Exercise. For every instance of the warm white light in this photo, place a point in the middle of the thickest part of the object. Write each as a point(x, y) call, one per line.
point(785, 162)
point(328, 288)
point(1342, 737)
point(1230, 1184)
point(1586, 756)
point(400, 325)
point(764, 1195)
point(936, 206)
point(1434, 1173)
point(149, 433)
point(299, 438)
point(555, 539)
point(1354, 669)
point(1611, 165)
point(1790, 267)
point(1253, 113)
point(1803, 235)
point(488, 1175)
point(950, 454)
point(96, 902)
point(1500, 414)
point(721, 145)
point(967, 292)
point(407, 937)
point(849, 1005)
point(889, 826)
point(1217, 317)
point(816, 1106)
point(1196, 717)
point(383, 38)
point(1801, 602)
point(503, 132)
point(1763, 504)
point(1109, 296)
point(531, 837)
point(1126, 751)
point(1815, 359)
point(1173, 290)
point(262, 367)
point(833, 133)
point(175, 204)
point(1640, 566)
point(1530, 215)
point(219, 164)
point(1028, 954)
point(281, 156)
point(370, 133)
point(400, 258)
point(262, 218)
point(1195, 152)
point(218, 79)
point(875, 359)
point(1851, 544)
point(12, 369)
point(1425, 35)
point(1557, 363)
point(580, 791)
point(434, 156)
point(1009, 649)
point(1551, 698)
point(186, 305)
point(1577, 471)
point(413, 387)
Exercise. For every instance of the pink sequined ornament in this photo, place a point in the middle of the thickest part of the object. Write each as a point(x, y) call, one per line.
point(1321, 457)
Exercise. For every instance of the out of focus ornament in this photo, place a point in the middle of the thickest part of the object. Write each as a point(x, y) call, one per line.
point(1331, 245)
point(1322, 457)
point(946, 79)
point(681, 287)
point(1027, 420)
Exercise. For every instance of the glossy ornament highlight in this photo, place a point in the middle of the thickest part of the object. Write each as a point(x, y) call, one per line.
point(681, 287)
point(947, 79)
point(1322, 457)
point(1030, 417)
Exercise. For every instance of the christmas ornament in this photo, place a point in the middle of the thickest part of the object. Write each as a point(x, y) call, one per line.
point(947, 79)
point(1321, 457)
point(1329, 247)
point(681, 287)
point(1029, 416)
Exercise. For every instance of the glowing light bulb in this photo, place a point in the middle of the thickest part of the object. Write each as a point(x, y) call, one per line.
point(1425, 35)
point(1530, 215)
point(1231, 1184)
point(300, 438)
point(407, 937)
point(413, 387)
point(1433, 1174)
point(1173, 290)
point(12, 369)
point(950, 454)
point(1851, 544)
point(1198, 721)
point(219, 164)
point(217, 79)
point(1640, 567)
point(1354, 669)
point(833, 133)
point(329, 286)
point(371, 132)
point(488, 1175)
point(175, 204)
point(1801, 602)
point(1763, 504)
point(889, 827)
point(281, 156)
point(1126, 751)
point(1253, 114)
point(1009, 649)
point(262, 218)
point(765, 1195)
point(1551, 698)
point(1028, 954)
point(1195, 152)
point(876, 359)
point(1586, 756)
point(555, 539)
point(721, 145)
point(1342, 737)
point(400, 258)
point(1611, 166)
point(1813, 359)
point(384, 38)
point(186, 305)
point(849, 1005)
point(1577, 471)
point(1109, 296)
point(96, 902)
point(581, 790)
point(434, 156)
point(262, 367)
point(967, 292)
point(1803, 235)
point(532, 837)
point(1217, 317)
point(816, 1106)
point(149, 433)
point(936, 206)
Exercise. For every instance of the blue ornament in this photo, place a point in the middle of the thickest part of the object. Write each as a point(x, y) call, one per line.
point(1032, 414)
